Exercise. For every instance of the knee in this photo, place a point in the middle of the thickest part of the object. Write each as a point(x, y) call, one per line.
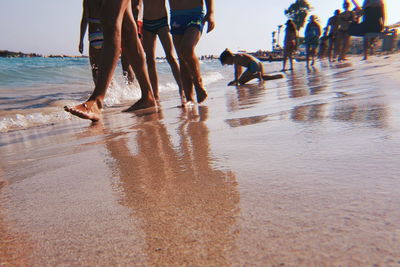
point(186, 53)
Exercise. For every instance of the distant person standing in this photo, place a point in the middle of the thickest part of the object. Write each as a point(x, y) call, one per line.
point(312, 34)
point(345, 19)
point(155, 24)
point(187, 22)
point(331, 30)
point(374, 22)
point(290, 44)
point(91, 17)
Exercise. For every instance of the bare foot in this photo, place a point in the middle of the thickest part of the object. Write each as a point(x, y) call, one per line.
point(90, 110)
point(186, 104)
point(201, 95)
point(141, 104)
point(183, 102)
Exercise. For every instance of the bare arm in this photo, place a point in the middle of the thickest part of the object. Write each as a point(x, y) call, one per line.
point(238, 72)
point(84, 24)
point(210, 15)
point(383, 15)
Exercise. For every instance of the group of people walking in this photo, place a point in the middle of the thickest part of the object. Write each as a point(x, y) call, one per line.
point(114, 33)
point(338, 31)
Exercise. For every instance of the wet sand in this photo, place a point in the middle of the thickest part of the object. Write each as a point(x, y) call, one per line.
point(302, 171)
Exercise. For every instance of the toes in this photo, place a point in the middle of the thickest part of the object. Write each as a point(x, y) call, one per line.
point(82, 114)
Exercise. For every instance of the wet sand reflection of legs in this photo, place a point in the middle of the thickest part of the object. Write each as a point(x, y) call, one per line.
point(15, 248)
point(186, 207)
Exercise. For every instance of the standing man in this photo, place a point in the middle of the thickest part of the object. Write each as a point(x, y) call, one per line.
point(187, 22)
point(312, 34)
point(290, 43)
point(155, 23)
point(345, 19)
point(374, 22)
point(333, 27)
point(119, 27)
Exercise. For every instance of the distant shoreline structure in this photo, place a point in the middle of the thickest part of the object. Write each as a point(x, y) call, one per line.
point(12, 54)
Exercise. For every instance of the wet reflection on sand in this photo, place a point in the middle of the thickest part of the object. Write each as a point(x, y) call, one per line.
point(246, 96)
point(186, 207)
point(15, 248)
point(298, 171)
point(373, 114)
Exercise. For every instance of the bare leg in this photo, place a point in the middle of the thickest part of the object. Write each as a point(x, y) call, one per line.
point(187, 81)
point(284, 60)
point(112, 15)
point(186, 77)
point(291, 60)
point(149, 45)
point(247, 76)
point(186, 52)
point(136, 55)
point(95, 61)
point(371, 45)
point(336, 47)
point(127, 68)
point(308, 51)
point(166, 41)
point(339, 41)
point(313, 53)
point(330, 48)
point(345, 46)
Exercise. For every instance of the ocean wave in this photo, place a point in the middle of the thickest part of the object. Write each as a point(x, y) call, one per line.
point(20, 121)
point(120, 92)
point(213, 77)
point(33, 92)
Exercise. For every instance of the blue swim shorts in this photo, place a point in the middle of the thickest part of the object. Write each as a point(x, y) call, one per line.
point(181, 20)
point(254, 67)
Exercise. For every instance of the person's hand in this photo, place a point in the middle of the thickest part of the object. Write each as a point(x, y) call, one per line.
point(81, 47)
point(209, 18)
point(233, 83)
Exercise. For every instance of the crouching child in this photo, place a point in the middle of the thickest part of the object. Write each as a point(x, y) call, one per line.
point(254, 68)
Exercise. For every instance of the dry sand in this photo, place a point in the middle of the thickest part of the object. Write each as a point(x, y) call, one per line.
point(303, 171)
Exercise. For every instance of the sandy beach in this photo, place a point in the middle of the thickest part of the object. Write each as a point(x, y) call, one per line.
point(301, 171)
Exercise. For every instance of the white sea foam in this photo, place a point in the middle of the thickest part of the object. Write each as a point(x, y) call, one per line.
point(22, 121)
point(47, 85)
point(212, 77)
point(168, 87)
point(120, 92)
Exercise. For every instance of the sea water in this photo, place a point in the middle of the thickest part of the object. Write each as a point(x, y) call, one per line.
point(33, 91)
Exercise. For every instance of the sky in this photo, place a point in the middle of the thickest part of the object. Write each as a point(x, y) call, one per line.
point(52, 26)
